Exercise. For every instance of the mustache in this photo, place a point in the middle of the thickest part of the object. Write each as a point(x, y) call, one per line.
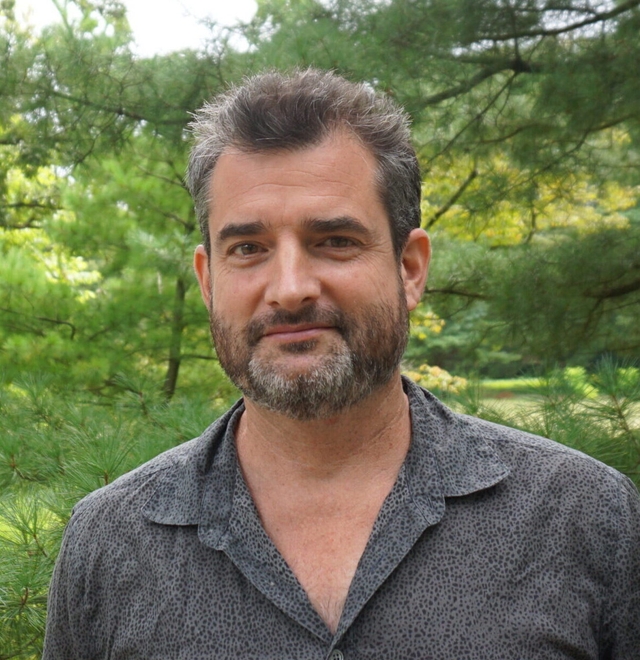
point(256, 328)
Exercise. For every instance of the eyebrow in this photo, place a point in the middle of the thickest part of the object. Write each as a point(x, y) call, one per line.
point(332, 225)
point(240, 229)
point(317, 225)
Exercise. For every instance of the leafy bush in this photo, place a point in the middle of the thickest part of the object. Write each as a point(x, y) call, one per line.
point(598, 414)
point(56, 449)
point(53, 451)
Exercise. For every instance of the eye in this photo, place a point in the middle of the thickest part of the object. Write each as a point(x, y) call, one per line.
point(245, 250)
point(339, 242)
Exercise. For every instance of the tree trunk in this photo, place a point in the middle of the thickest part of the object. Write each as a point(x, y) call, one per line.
point(175, 345)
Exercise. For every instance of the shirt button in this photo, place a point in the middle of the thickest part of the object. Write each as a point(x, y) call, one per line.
point(336, 655)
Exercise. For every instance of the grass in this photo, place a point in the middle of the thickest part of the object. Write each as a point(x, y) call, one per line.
point(510, 387)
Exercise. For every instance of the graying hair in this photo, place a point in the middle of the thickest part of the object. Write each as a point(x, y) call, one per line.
point(275, 111)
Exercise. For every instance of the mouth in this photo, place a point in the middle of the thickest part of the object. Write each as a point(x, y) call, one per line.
point(282, 326)
point(300, 332)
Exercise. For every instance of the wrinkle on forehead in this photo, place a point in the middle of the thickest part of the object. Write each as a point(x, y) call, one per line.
point(337, 175)
point(333, 139)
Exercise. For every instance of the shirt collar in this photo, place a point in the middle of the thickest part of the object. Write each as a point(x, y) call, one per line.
point(453, 444)
point(178, 498)
point(448, 457)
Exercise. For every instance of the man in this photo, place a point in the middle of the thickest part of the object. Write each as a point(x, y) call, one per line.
point(338, 511)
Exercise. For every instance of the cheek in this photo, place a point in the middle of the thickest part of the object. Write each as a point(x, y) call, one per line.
point(372, 285)
point(234, 294)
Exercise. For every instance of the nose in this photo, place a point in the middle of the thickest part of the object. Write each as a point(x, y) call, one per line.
point(293, 282)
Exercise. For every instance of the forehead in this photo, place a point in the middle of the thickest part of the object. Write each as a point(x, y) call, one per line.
point(336, 177)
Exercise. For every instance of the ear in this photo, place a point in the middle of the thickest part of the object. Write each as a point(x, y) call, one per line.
point(415, 266)
point(203, 273)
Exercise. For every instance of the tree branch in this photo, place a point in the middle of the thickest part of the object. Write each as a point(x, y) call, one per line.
point(174, 182)
point(458, 292)
point(57, 322)
point(30, 224)
point(456, 196)
point(551, 32)
point(120, 111)
point(516, 65)
point(474, 119)
point(30, 205)
point(616, 291)
point(42, 318)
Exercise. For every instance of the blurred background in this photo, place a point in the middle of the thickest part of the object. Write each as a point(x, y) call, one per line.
point(526, 118)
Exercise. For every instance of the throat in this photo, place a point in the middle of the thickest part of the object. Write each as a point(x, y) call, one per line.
point(319, 486)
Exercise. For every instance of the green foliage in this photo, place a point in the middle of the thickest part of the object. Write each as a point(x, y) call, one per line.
point(527, 127)
point(526, 119)
point(564, 297)
point(96, 226)
point(598, 413)
point(53, 451)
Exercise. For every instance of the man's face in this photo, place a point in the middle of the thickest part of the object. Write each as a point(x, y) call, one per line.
point(308, 304)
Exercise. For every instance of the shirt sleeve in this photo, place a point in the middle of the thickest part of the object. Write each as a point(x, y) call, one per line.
point(60, 643)
point(622, 624)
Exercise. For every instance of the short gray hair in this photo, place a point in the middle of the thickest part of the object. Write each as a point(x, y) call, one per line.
point(276, 111)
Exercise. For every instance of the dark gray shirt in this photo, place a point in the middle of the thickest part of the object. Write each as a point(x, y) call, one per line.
point(493, 544)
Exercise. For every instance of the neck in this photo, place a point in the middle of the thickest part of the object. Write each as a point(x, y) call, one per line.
point(373, 435)
point(319, 485)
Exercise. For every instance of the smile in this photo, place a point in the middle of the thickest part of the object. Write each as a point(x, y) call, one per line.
point(304, 332)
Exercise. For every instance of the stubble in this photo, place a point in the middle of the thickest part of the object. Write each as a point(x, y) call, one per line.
point(364, 357)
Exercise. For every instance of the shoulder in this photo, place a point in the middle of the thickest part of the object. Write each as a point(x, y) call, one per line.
point(548, 489)
point(535, 464)
point(532, 456)
point(125, 497)
point(108, 545)
point(520, 450)
point(557, 513)
point(558, 485)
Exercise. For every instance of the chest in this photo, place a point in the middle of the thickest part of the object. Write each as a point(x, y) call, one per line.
point(444, 600)
point(323, 552)
point(321, 530)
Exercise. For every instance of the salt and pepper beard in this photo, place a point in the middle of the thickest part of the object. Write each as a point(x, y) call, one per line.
point(368, 354)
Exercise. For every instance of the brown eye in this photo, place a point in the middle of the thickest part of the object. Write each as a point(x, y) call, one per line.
point(339, 242)
point(245, 249)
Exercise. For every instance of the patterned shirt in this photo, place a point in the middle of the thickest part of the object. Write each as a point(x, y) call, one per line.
point(493, 544)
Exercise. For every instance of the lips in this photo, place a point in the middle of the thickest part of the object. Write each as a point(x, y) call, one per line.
point(305, 324)
point(302, 330)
